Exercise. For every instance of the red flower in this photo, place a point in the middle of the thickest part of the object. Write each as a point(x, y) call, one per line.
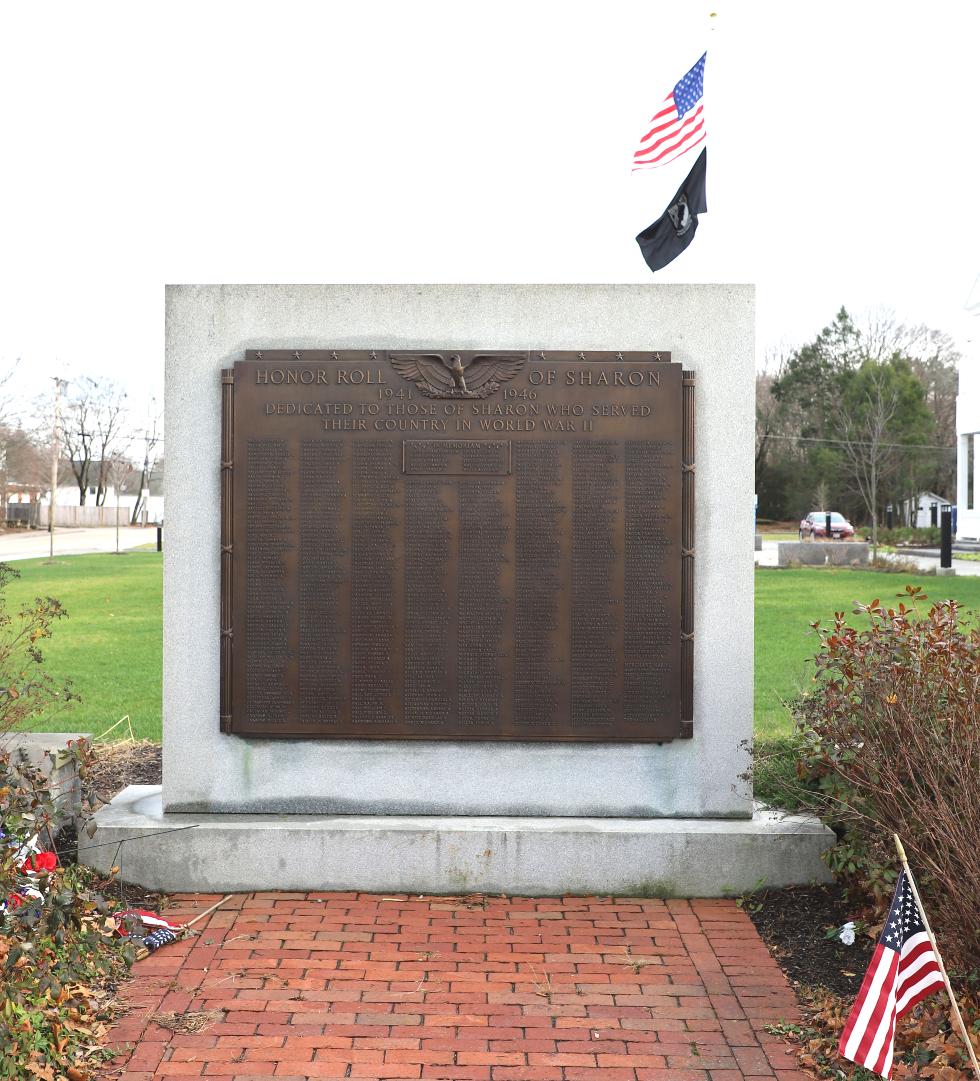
point(45, 861)
point(41, 861)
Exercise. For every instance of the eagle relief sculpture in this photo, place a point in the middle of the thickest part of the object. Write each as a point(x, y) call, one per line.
point(458, 375)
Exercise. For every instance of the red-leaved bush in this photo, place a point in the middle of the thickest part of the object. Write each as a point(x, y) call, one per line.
point(891, 744)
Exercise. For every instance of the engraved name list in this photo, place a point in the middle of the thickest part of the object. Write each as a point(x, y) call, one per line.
point(457, 545)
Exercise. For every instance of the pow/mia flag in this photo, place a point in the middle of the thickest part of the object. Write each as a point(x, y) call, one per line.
point(671, 233)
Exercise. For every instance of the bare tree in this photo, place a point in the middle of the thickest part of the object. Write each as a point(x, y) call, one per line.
point(883, 336)
point(7, 402)
point(152, 435)
point(805, 444)
point(92, 433)
point(27, 458)
point(769, 412)
point(77, 437)
point(821, 497)
point(111, 439)
point(933, 357)
point(116, 471)
point(865, 441)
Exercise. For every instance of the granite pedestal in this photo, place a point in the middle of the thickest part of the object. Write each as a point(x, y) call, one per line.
point(532, 856)
point(46, 751)
point(372, 814)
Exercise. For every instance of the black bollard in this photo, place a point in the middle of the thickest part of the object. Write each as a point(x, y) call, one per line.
point(159, 538)
point(934, 514)
point(827, 523)
point(946, 539)
point(890, 517)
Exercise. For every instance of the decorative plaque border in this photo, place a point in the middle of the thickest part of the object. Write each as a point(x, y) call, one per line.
point(227, 615)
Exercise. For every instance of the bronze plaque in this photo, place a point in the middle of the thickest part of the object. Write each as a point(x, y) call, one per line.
point(457, 545)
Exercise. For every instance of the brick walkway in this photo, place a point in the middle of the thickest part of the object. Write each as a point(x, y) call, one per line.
point(331, 985)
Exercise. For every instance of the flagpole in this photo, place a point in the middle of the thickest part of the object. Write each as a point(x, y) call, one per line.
point(143, 952)
point(935, 949)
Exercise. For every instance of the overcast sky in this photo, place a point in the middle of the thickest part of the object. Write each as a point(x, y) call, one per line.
point(214, 141)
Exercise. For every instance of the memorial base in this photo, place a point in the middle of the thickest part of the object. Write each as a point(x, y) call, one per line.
point(823, 553)
point(660, 857)
point(45, 751)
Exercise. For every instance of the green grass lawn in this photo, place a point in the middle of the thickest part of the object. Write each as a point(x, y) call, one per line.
point(110, 645)
point(787, 601)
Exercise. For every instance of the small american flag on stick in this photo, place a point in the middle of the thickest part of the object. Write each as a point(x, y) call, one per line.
point(678, 126)
point(904, 970)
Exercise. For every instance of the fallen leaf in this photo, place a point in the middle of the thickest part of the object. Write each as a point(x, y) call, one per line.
point(188, 1022)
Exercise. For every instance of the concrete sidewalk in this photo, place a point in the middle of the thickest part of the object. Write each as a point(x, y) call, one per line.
point(335, 985)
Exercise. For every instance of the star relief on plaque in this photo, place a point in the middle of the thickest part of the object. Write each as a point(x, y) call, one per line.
point(457, 374)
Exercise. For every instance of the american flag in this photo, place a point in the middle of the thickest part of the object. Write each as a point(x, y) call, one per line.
point(903, 971)
point(679, 125)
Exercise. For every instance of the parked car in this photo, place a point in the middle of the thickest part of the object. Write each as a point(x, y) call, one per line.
point(815, 525)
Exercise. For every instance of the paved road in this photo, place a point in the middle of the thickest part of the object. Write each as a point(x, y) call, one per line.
point(768, 557)
point(32, 543)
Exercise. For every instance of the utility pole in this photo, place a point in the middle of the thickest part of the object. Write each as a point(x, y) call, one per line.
point(145, 488)
point(150, 439)
point(3, 480)
point(54, 461)
point(117, 485)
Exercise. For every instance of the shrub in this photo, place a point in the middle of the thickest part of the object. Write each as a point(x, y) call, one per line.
point(926, 536)
point(55, 963)
point(775, 776)
point(26, 690)
point(889, 742)
point(55, 956)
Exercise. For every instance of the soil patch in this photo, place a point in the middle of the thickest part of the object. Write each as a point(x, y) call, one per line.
point(120, 764)
point(116, 766)
point(794, 924)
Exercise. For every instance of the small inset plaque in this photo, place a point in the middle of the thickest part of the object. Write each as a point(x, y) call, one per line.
point(456, 457)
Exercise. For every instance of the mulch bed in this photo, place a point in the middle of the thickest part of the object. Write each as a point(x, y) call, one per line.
point(794, 924)
point(798, 925)
point(122, 764)
point(116, 766)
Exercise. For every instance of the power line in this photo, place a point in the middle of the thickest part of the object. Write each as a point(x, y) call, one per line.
point(864, 443)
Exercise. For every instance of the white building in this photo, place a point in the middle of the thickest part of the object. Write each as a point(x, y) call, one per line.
point(70, 495)
point(968, 453)
point(71, 512)
point(918, 512)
